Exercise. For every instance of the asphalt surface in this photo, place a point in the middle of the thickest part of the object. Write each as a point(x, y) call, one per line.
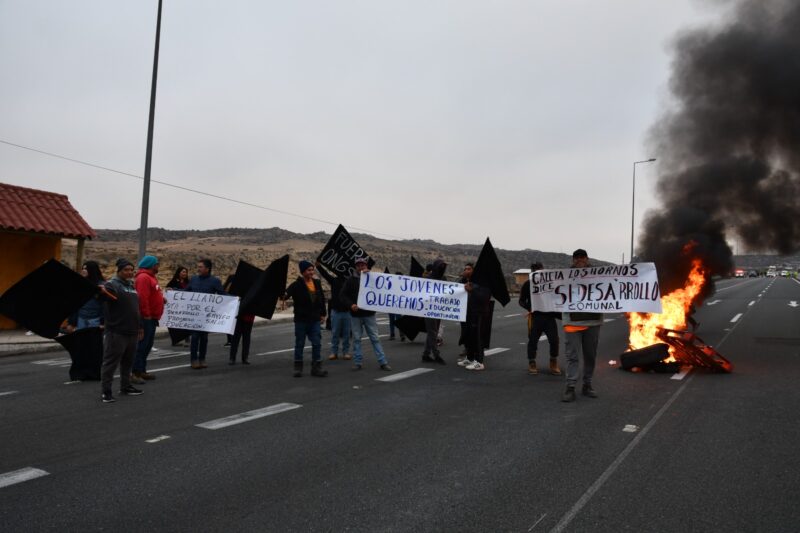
point(444, 450)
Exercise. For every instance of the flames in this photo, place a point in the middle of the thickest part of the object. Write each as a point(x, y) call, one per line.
point(675, 305)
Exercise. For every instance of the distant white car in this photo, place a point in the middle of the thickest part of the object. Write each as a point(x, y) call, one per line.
point(784, 273)
point(771, 273)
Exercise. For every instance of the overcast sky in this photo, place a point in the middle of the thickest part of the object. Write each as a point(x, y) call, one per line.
point(449, 120)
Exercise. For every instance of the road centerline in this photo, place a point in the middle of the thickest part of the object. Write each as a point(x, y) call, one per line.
point(18, 476)
point(405, 375)
point(248, 416)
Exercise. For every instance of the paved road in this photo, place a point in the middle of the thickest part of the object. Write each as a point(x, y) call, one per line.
point(443, 450)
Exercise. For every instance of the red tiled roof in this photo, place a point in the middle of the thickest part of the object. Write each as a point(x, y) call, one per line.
point(24, 209)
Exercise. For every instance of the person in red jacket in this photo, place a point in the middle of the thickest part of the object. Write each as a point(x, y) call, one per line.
point(151, 307)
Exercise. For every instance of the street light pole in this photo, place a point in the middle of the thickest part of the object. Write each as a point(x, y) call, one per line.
point(149, 154)
point(633, 200)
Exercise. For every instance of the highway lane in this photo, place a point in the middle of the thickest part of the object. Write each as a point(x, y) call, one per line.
point(446, 449)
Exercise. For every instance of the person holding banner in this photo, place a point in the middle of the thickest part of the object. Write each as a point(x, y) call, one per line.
point(309, 315)
point(432, 325)
point(582, 335)
point(539, 322)
point(362, 320)
point(205, 283)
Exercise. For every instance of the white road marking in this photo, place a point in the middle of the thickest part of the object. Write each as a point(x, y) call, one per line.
point(494, 351)
point(53, 362)
point(736, 318)
point(793, 304)
point(9, 392)
point(537, 522)
point(248, 416)
point(630, 428)
point(166, 368)
point(608, 320)
point(509, 316)
point(157, 439)
point(751, 303)
point(18, 476)
point(715, 302)
point(405, 375)
point(682, 374)
point(168, 355)
point(285, 350)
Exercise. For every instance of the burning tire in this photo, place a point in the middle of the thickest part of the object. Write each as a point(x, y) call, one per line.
point(644, 357)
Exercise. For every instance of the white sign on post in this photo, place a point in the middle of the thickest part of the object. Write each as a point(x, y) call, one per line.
point(602, 289)
point(406, 295)
point(198, 311)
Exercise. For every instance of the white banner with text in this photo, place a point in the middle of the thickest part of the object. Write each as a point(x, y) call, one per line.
point(406, 295)
point(602, 289)
point(198, 311)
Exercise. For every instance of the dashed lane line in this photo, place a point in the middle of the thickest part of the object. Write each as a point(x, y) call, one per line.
point(286, 350)
point(682, 374)
point(157, 439)
point(715, 302)
point(736, 318)
point(405, 375)
point(18, 476)
point(515, 314)
point(751, 303)
point(494, 351)
point(248, 416)
point(9, 392)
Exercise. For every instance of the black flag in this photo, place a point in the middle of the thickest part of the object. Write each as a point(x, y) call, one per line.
point(43, 299)
point(416, 270)
point(244, 278)
point(85, 348)
point(262, 296)
point(340, 254)
point(488, 272)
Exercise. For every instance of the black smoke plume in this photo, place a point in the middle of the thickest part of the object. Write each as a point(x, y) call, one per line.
point(729, 148)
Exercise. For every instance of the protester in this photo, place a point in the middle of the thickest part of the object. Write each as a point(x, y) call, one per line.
point(90, 315)
point(582, 331)
point(179, 282)
point(393, 323)
point(180, 279)
point(539, 322)
point(340, 316)
point(431, 324)
point(206, 283)
point(478, 306)
point(123, 327)
point(362, 320)
point(151, 307)
point(309, 315)
point(227, 286)
point(242, 331)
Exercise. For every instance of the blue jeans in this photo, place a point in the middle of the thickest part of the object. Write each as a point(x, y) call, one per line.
point(199, 345)
point(340, 326)
point(313, 331)
point(144, 346)
point(361, 323)
point(84, 323)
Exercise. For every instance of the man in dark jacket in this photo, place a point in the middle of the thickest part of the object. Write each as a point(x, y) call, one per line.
point(309, 315)
point(206, 283)
point(538, 323)
point(478, 309)
point(123, 328)
point(362, 320)
point(340, 315)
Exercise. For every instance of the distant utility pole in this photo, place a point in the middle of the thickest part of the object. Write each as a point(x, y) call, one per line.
point(149, 155)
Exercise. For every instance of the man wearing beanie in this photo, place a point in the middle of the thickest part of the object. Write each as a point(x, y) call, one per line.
point(206, 283)
point(309, 315)
point(151, 307)
point(123, 327)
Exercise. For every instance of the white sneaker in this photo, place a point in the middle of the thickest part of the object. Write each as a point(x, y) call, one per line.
point(464, 362)
point(475, 365)
point(153, 349)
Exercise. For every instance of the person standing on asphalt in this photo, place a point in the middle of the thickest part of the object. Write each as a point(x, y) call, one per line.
point(123, 328)
point(431, 324)
point(362, 319)
point(539, 322)
point(309, 315)
point(582, 335)
point(151, 307)
point(206, 283)
point(340, 316)
point(478, 305)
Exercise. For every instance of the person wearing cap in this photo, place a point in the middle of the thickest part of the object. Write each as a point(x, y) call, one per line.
point(309, 315)
point(362, 320)
point(582, 332)
point(151, 307)
point(123, 328)
point(539, 322)
point(206, 283)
